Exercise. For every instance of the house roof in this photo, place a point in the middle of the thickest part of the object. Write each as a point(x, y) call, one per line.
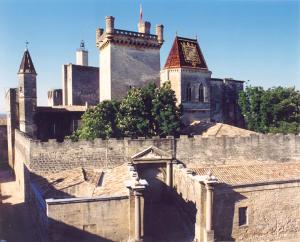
point(83, 182)
point(26, 66)
point(215, 129)
point(252, 174)
point(185, 53)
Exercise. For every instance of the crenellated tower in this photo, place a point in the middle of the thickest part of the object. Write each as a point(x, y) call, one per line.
point(27, 94)
point(127, 59)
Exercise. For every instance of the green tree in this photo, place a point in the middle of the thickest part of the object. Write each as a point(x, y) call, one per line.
point(99, 122)
point(132, 117)
point(273, 110)
point(165, 113)
point(143, 111)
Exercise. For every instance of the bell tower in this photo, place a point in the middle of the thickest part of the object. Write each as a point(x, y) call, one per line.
point(27, 94)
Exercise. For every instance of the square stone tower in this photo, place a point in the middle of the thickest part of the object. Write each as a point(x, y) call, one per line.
point(189, 76)
point(27, 95)
point(127, 59)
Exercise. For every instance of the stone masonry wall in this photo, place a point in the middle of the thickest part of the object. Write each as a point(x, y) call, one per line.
point(52, 156)
point(104, 219)
point(22, 161)
point(229, 150)
point(192, 196)
point(3, 142)
point(273, 213)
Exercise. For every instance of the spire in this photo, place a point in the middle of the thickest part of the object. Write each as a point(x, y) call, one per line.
point(26, 66)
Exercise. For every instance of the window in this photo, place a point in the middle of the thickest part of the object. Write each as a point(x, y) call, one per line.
point(188, 93)
point(201, 93)
point(243, 216)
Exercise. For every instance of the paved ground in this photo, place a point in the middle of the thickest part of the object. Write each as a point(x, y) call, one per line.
point(16, 224)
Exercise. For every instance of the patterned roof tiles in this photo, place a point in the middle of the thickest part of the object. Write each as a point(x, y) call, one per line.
point(185, 53)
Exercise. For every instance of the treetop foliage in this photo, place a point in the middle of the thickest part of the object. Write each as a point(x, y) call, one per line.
point(147, 111)
point(275, 110)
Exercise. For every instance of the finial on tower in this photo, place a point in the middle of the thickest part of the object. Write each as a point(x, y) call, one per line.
point(82, 45)
point(26, 45)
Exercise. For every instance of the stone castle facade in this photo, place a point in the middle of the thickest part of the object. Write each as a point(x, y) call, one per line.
point(172, 189)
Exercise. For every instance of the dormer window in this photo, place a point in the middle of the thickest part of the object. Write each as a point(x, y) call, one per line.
point(201, 93)
point(188, 93)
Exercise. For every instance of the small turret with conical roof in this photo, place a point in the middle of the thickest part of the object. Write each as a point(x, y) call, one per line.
point(27, 94)
point(26, 64)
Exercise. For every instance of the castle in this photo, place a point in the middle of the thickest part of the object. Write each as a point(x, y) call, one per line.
point(204, 189)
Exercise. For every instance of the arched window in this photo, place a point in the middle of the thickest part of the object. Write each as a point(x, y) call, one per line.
point(201, 93)
point(188, 93)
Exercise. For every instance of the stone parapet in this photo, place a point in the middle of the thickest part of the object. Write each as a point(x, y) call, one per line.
point(53, 156)
point(125, 37)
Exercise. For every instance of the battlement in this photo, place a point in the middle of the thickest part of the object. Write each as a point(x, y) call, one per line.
point(134, 34)
point(53, 156)
point(142, 38)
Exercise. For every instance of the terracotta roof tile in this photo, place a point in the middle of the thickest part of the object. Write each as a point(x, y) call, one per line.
point(82, 182)
point(185, 53)
point(252, 174)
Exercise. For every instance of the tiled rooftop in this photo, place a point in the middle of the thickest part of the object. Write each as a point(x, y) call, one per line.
point(252, 174)
point(215, 129)
point(185, 53)
point(81, 182)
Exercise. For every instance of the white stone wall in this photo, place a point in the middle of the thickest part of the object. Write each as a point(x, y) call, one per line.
point(105, 73)
point(122, 67)
point(174, 76)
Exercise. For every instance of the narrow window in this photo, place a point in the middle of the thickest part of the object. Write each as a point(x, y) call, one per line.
point(188, 93)
point(201, 93)
point(243, 218)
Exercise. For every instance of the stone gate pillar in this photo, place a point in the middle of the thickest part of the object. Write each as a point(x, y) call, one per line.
point(137, 187)
point(209, 182)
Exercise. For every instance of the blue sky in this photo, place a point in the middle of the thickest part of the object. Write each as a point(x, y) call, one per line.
point(247, 40)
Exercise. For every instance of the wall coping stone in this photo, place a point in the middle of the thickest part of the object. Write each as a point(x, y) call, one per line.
point(52, 201)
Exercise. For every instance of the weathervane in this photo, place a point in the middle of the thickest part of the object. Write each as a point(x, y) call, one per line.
point(26, 43)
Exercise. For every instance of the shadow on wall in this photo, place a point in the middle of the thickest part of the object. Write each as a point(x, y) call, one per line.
point(167, 217)
point(224, 211)
point(61, 232)
point(53, 230)
point(18, 225)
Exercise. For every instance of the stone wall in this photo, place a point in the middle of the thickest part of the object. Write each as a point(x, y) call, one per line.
point(191, 200)
point(94, 219)
point(273, 213)
point(117, 75)
point(3, 142)
point(22, 161)
point(52, 156)
point(80, 85)
point(230, 150)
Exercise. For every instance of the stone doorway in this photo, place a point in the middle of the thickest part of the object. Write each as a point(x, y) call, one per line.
point(163, 222)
